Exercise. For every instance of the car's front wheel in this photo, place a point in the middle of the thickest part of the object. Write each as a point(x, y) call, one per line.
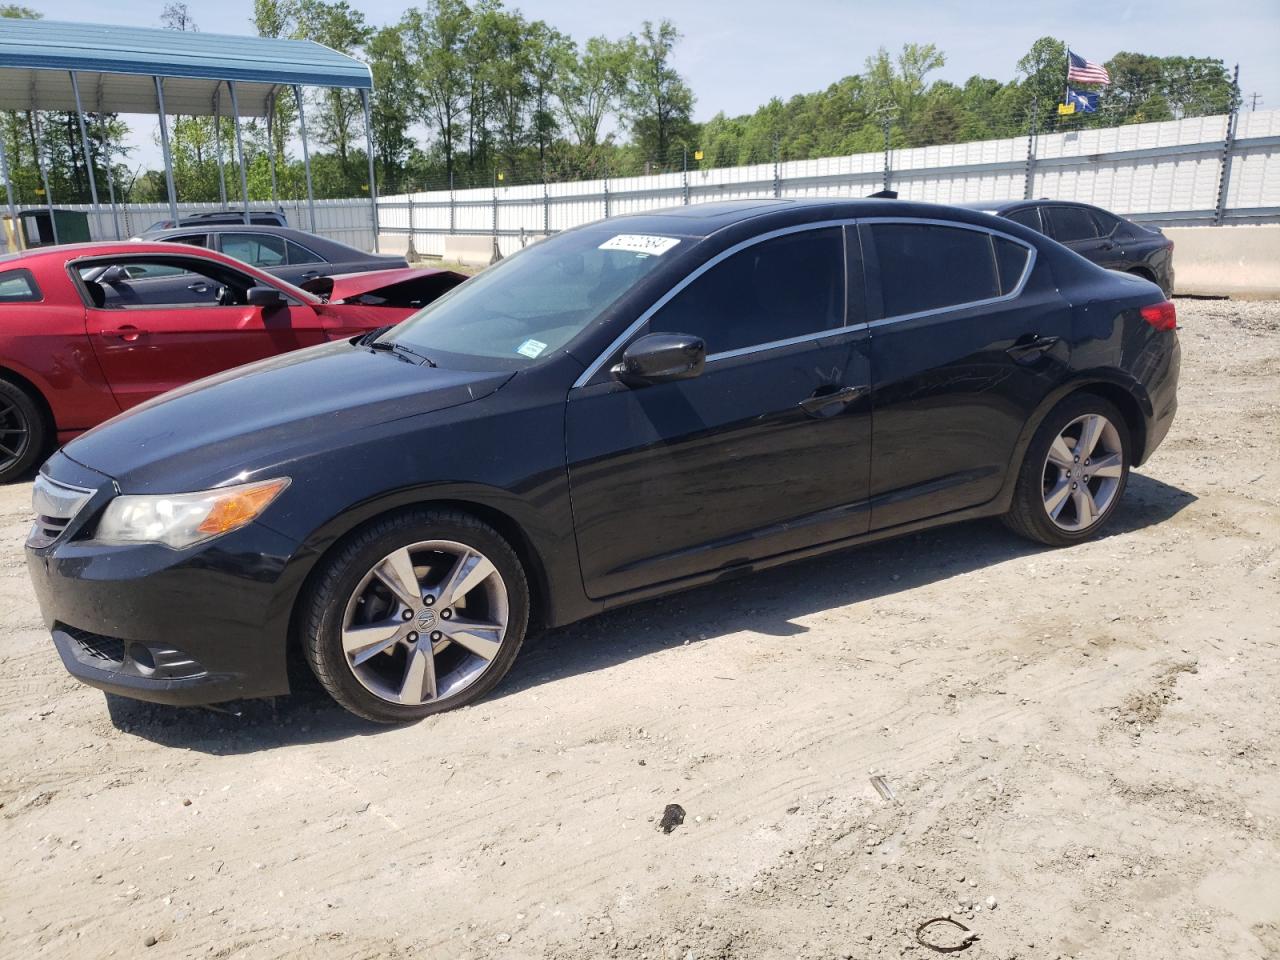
point(1074, 472)
point(419, 612)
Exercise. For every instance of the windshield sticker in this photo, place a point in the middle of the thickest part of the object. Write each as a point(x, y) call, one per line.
point(640, 243)
point(531, 348)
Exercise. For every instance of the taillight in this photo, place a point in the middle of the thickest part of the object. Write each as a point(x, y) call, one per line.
point(1162, 316)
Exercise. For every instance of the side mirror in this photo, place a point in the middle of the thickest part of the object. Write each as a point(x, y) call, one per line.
point(264, 297)
point(660, 358)
point(113, 274)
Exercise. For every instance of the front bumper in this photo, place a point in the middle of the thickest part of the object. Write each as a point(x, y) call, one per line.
point(182, 627)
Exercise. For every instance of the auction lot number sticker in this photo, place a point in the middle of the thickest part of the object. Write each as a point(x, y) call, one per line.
point(640, 243)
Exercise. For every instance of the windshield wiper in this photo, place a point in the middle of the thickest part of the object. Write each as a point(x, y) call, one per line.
point(392, 346)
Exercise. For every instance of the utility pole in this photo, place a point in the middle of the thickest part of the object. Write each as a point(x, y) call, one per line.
point(1254, 99)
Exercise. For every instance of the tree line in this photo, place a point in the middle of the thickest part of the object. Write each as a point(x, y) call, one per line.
point(476, 94)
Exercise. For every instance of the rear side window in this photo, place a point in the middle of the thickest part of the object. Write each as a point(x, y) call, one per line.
point(1028, 217)
point(1011, 262)
point(1068, 224)
point(18, 286)
point(299, 254)
point(777, 289)
point(1107, 222)
point(928, 267)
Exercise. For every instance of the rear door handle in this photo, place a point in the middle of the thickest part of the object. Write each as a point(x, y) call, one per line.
point(198, 287)
point(1031, 346)
point(311, 275)
point(829, 400)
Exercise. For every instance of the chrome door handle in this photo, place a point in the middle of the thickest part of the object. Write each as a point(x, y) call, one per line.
point(1031, 346)
point(829, 400)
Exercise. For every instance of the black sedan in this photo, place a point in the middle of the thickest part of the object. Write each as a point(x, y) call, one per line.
point(627, 409)
point(1106, 239)
point(291, 255)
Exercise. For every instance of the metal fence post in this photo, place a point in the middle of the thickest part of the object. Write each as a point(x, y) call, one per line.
point(452, 209)
point(606, 196)
point(684, 154)
point(888, 125)
point(546, 205)
point(777, 181)
point(410, 253)
point(1030, 174)
point(1228, 144)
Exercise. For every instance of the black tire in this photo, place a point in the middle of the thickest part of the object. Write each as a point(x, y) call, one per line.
point(323, 607)
point(24, 432)
point(1028, 515)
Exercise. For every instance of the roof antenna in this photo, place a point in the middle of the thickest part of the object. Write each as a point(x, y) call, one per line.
point(883, 195)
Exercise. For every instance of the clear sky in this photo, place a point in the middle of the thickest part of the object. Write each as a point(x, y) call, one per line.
point(737, 54)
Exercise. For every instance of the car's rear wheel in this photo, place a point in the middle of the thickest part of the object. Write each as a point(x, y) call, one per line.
point(23, 432)
point(1074, 472)
point(419, 612)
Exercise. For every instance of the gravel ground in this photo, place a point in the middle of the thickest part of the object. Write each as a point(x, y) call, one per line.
point(1081, 747)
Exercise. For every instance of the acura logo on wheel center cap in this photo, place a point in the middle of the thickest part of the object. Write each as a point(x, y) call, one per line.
point(427, 619)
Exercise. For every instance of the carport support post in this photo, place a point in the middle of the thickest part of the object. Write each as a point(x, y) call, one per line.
point(44, 177)
point(373, 187)
point(164, 149)
point(8, 189)
point(84, 146)
point(106, 156)
point(217, 145)
point(244, 170)
point(271, 147)
point(306, 157)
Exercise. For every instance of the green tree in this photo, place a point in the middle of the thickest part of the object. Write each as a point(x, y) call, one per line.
point(435, 38)
point(659, 102)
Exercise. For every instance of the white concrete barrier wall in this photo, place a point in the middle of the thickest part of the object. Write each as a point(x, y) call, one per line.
point(1242, 261)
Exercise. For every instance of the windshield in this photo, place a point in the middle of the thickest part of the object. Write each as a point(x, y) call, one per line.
point(537, 301)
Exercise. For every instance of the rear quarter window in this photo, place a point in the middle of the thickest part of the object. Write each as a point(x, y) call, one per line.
point(19, 286)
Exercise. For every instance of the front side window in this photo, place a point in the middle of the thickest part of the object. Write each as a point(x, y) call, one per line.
point(18, 286)
point(929, 267)
point(261, 250)
point(1070, 224)
point(162, 282)
point(1028, 217)
point(774, 290)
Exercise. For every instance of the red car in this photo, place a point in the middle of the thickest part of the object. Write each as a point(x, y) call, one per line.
point(88, 330)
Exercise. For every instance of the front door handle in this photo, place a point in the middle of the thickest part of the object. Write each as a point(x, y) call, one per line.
point(199, 286)
point(831, 399)
point(1028, 348)
point(128, 333)
point(310, 275)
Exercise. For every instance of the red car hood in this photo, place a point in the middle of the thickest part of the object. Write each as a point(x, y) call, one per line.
point(400, 284)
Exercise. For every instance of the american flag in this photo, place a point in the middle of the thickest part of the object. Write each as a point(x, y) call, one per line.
point(1085, 71)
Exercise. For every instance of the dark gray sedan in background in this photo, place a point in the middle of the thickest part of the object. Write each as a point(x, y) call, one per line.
point(1096, 234)
point(292, 255)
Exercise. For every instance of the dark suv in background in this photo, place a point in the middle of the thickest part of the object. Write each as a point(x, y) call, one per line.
point(1109, 241)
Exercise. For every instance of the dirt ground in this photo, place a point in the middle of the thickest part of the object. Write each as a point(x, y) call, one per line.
point(1082, 746)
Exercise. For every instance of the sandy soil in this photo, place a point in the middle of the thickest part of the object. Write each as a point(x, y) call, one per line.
point(1082, 745)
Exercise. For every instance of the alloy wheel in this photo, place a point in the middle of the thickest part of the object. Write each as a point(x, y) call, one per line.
point(14, 434)
point(1082, 472)
point(425, 622)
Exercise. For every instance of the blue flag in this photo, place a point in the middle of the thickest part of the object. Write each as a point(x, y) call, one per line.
point(1082, 100)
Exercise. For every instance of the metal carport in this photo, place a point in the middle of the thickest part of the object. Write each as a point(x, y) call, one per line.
point(47, 65)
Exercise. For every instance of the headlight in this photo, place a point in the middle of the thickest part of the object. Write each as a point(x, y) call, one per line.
point(183, 519)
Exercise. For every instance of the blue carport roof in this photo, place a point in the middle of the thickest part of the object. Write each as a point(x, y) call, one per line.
point(115, 66)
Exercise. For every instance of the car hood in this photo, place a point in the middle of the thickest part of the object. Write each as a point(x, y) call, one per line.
point(262, 415)
point(347, 285)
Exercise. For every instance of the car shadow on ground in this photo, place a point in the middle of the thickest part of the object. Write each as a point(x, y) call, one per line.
point(770, 603)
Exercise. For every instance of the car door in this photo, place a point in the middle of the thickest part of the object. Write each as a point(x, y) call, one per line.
point(1076, 227)
point(146, 348)
point(763, 453)
point(968, 336)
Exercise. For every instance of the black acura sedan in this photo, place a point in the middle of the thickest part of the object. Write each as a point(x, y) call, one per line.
point(627, 409)
point(1096, 234)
